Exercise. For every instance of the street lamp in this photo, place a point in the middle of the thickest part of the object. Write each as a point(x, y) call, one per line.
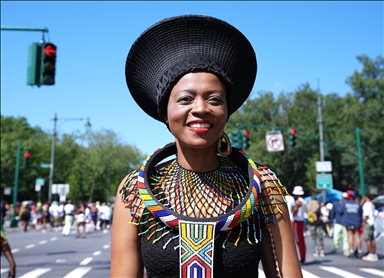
point(52, 164)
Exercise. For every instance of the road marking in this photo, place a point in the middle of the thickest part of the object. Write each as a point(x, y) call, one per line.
point(4, 270)
point(307, 274)
point(35, 273)
point(373, 271)
point(15, 250)
point(86, 261)
point(43, 242)
point(340, 272)
point(106, 246)
point(96, 253)
point(30, 246)
point(78, 272)
point(54, 238)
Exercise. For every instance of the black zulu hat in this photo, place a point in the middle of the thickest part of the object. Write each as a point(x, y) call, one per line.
point(175, 46)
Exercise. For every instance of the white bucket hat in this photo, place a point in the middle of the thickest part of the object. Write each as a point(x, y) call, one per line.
point(298, 190)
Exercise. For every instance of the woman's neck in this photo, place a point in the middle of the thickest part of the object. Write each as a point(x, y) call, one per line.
point(198, 160)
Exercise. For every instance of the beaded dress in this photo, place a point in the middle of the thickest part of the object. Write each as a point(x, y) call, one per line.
point(237, 250)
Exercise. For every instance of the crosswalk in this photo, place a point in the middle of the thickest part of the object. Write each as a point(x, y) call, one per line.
point(328, 271)
point(337, 272)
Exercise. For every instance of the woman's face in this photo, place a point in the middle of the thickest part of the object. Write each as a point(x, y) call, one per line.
point(197, 110)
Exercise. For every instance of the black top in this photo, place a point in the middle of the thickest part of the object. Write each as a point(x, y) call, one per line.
point(229, 260)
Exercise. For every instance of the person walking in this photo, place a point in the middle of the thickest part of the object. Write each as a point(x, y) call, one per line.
point(54, 212)
point(5, 248)
point(339, 229)
point(105, 215)
point(299, 211)
point(94, 215)
point(290, 204)
point(25, 216)
point(315, 224)
point(352, 214)
point(69, 211)
point(81, 219)
point(369, 228)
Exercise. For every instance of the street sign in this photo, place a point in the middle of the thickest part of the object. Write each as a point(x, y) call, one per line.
point(324, 181)
point(45, 165)
point(61, 189)
point(37, 187)
point(275, 141)
point(323, 166)
point(40, 181)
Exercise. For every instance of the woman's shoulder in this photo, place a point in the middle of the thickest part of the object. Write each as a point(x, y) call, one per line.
point(267, 176)
point(128, 185)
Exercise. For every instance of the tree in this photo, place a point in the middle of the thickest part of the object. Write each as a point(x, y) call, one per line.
point(99, 168)
point(341, 115)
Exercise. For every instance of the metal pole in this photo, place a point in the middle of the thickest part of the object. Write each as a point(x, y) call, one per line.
point(321, 135)
point(52, 165)
point(15, 187)
point(8, 28)
point(360, 158)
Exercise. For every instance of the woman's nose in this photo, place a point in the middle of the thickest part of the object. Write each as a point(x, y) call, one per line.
point(200, 106)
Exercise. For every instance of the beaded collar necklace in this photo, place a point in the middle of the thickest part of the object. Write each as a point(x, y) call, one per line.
point(169, 197)
point(225, 221)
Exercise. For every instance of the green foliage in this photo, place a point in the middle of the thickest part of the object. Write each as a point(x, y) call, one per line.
point(92, 163)
point(341, 116)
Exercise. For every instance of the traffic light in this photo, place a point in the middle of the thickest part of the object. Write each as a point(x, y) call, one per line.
point(48, 64)
point(292, 137)
point(34, 64)
point(236, 138)
point(246, 143)
point(27, 156)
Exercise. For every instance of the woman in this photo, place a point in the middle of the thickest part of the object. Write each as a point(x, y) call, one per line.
point(315, 227)
point(81, 218)
point(5, 248)
point(211, 211)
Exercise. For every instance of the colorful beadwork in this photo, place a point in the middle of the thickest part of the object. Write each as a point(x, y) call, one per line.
point(223, 222)
point(196, 249)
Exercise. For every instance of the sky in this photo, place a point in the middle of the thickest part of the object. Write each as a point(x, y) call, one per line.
point(295, 43)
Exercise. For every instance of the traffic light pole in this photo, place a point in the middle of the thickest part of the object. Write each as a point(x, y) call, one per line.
point(6, 28)
point(16, 184)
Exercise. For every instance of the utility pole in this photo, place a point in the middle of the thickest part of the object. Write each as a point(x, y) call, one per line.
point(321, 134)
point(52, 163)
point(360, 158)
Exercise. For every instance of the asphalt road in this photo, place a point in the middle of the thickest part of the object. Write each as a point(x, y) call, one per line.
point(52, 255)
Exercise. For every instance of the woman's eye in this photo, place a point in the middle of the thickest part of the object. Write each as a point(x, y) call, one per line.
point(184, 99)
point(215, 100)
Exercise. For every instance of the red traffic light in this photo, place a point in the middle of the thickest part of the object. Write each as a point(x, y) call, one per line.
point(246, 133)
point(27, 155)
point(50, 49)
point(292, 131)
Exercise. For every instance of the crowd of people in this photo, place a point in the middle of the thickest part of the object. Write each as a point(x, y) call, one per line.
point(60, 216)
point(351, 219)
